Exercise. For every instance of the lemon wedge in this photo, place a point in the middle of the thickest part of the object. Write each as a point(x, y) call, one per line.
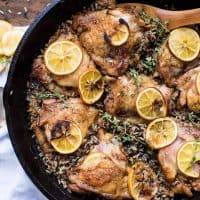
point(10, 41)
point(4, 27)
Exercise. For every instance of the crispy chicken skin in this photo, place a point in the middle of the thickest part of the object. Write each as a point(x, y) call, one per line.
point(94, 30)
point(167, 155)
point(189, 94)
point(106, 3)
point(53, 111)
point(107, 175)
point(123, 92)
point(169, 67)
point(41, 73)
point(182, 76)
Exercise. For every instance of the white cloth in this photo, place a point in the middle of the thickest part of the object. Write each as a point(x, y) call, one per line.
point(14, 183)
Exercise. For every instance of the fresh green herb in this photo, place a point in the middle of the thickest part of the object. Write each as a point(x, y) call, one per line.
point(122, 129)
point(159, 32)
point(115, 123)
point(159, 28)
point(47, 95)
point(149, 64)
point(193, 159)
point(136, 77)
point(193, 118)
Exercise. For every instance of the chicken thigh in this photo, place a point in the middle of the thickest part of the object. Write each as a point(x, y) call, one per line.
point(54, 112)
point(95, 30)
point(41, 73)
point(189, 95)
point(103, 171)
point(167, 155)
point(121, 98)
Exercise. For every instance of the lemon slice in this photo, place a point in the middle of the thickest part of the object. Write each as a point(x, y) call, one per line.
point(91, 86)
point(198, 82)
point(184, 43)
point(142, 182)
point(120, 36)
point(150, 104)
point(63, 57)
point(4, 27)
point(10, 41)
point(187, 159)
point(161, 132)
point(70, 137)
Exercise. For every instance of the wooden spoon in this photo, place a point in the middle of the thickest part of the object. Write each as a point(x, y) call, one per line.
point(175, 19)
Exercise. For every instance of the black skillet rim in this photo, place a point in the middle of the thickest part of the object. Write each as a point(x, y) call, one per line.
point(7, 93)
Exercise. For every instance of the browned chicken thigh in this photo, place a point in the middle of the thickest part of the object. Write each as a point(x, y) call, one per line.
point(55, 82)
point(106, 3)
point(103, 171)
point(167, 155)
point(182, 76)
point(121, 98)
point(189, 95)
point(169, 67)
point(53, 112)
point(95, 30)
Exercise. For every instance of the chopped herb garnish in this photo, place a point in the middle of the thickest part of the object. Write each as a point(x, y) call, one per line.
point(159, 28)
point(46, 95)
point(193, 118)
point(159, 32)
point(136, 77)
point(149, 64)
point(122, 129)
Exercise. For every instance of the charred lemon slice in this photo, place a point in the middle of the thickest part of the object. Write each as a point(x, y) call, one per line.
point(184, 43)
point(150, 104)
point(11, 40)
point(66, 137)
point(161, 132)
point(120, 36)
point(4, 27)
point(198, 82)
point(142, 182)
point(188, 158)
point(63, 57)
point(91, 86)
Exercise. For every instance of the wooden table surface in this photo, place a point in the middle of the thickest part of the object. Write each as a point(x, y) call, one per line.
point(21, 12)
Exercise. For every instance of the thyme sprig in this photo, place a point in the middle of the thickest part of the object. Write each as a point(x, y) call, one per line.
point(136, 77)
point(160, 31)
point(47, 94)
point(193, 118)
point(122, 130)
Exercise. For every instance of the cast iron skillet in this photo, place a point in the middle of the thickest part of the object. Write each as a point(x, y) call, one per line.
point(15, 91)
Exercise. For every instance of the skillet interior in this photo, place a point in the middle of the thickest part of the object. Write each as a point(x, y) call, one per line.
point(15, 91)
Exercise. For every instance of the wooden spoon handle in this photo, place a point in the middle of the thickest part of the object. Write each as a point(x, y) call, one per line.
point(179, 18)
point(174, 18)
